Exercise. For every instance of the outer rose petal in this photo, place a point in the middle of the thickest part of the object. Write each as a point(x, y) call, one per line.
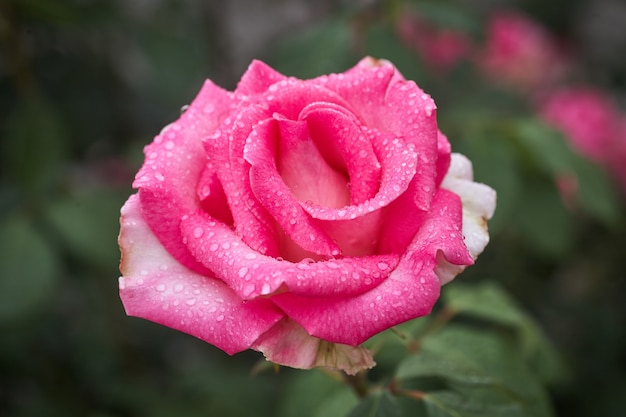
point(479, 203)
point(174, 162)
point(287, 343)
point(155, 286)
point(252, 275)
point(410, 291)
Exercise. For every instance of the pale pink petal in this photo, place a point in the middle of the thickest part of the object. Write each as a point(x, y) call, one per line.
point(251, 274)
point(479, 203)
point(287, 343)
point(156, 287)
point(174, 161)
point(410, 291)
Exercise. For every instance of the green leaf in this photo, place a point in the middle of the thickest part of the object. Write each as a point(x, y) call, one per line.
point(488, 301)
point(321, 50)
point(554, 156)
point(314, 393)
point(482, 362)
point(471, 403)
point(377, 404)
point(338, 404)
point(544, 222)
point(28, 269)
point(485, 300)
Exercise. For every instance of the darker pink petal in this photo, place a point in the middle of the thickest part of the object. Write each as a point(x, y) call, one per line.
point(174, 162)
point(275, 196)
point(251, 275)
point(157, 287)
point(346, 144)
point(410, 291)
point(258, 78)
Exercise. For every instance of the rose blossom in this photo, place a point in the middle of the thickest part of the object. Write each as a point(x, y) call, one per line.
point(587, 117)
point(592, 123)
point(441, 48)
point(300, 217)
point(520, 53)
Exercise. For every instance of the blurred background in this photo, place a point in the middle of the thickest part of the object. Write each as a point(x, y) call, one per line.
point(533, 92)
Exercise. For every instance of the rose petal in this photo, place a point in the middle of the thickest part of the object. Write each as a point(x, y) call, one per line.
point(287, 343)
point(258, 78)
point(252, 275)
point(174, 161)
point(275, 196)
point(398, 162)
point(479, 203)
point(410, 291)
point(341, 138)
point(156, 287)
point(384, 100)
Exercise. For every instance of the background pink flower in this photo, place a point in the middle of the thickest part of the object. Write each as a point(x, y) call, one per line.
point(588, 118)
point(441, 48)
point(520, 53)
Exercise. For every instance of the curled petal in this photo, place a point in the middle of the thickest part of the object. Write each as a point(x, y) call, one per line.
point(156, 287)
point(252, 275)
point(287, 343)
point(410, 291)
point(274, 195)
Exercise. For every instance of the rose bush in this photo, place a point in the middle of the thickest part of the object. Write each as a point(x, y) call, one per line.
point(300, 217)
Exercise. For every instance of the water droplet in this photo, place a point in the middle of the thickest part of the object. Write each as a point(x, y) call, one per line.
point(248, 289)
point(159, 176)
point(169, 145)
point(213, 247)
point(191, 301)
point(160, 287)
point(265, 289)
point(178, 287)
point(383, 265)
point(242, 272)
point(198, 232)
point(220, 317)
point(209, 108)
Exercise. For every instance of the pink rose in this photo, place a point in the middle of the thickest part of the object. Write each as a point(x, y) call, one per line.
point(520, 53)
point(592, 122)
point(300, 217)
point(441, 48)
point(587, 117)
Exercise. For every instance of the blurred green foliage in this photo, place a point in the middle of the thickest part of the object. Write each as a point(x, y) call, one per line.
point(85, 84)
